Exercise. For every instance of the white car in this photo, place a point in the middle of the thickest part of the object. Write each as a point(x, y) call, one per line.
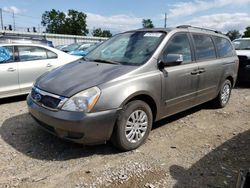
point(242, 47)
point(21, 64)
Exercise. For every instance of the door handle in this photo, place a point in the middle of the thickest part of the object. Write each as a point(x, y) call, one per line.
point(195, 72)
point(49, 65)
point(201, 71)
point(11, 69)
point(198, 71)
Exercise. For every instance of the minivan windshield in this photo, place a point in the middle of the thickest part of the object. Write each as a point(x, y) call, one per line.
point(131, 48)
point(242, 44)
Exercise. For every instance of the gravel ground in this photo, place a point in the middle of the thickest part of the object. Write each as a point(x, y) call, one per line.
point(201, 147)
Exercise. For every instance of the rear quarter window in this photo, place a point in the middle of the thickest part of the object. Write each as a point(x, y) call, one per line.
point(204, 47)
point(51, 55)
point(224, 47)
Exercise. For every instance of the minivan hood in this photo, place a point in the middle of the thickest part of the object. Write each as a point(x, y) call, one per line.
point(243, 53)
point(78, 76)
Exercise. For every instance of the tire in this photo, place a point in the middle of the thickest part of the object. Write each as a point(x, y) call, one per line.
point(224, 95)
point(133, 126)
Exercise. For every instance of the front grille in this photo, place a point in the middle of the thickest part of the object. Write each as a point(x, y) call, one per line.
point(44, 98)
point(50, 101)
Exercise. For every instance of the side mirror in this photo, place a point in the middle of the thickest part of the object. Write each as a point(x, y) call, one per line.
point(170, 60)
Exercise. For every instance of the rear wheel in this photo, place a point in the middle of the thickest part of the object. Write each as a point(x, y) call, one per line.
point(133, 126)
point(224, 95)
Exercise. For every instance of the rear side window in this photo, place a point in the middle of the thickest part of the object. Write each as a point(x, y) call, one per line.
point(224, 47)
point(204, 47)
point(30, 53)
point(6, 54)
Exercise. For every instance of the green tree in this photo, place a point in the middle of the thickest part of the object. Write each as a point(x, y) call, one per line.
point(106, 33)
point(73, 23)
point(233, 34)
point(247, 32)
point(101, 33)
point(147, 23)
point(97, 32)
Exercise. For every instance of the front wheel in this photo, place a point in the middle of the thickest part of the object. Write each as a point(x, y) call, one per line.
point(224, 95)
point(133, 126)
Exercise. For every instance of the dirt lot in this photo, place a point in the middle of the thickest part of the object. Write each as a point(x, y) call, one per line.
point(202, 147)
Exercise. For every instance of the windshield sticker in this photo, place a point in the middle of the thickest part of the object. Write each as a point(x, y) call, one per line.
point(153, 35)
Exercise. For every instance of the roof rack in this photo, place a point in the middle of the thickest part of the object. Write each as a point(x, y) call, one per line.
point(23, 36)
point(12, 38)
point(195, 27)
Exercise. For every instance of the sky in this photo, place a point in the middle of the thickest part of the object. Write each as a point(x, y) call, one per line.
point(119, 16)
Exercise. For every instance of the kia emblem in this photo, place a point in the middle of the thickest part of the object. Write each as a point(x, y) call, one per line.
point(38, 97)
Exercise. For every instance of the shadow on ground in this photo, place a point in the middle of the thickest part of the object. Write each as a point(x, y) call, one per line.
point(242, 85)
point(219, 168)
point(23, 134)
point(207, 106)
point(13, 99)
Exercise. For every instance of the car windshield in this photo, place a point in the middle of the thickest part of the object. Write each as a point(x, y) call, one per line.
point(84, 46)
point(131, 48)
point(92, 47)
point(72, 47)
point(242, 44)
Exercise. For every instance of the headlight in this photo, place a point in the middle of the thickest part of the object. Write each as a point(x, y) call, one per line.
point(83, 101)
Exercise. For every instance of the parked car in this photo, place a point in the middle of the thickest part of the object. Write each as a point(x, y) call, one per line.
point(21, 64)
point(75, 46)
point(60, 47)
point(132, 80)
point(84, 49)
point(242, 47)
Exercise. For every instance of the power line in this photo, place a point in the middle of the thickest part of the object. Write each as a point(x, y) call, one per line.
point(22, 15)
point(19, 14)
point(27, 22)
point(17, 21)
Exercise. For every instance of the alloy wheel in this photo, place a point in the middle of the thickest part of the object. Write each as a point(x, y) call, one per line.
point(136, 126)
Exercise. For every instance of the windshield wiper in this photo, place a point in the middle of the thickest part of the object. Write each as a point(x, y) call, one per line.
point(104, 61)
point(242, 48)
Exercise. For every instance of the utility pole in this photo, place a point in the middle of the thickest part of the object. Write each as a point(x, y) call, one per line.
point(165, 21)
point(38, 27)
point(14, 24)
point(1, 17)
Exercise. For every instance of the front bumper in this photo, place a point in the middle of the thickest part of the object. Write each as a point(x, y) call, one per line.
point(79, 127)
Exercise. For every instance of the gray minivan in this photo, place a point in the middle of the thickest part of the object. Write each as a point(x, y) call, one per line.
point(132, 80)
